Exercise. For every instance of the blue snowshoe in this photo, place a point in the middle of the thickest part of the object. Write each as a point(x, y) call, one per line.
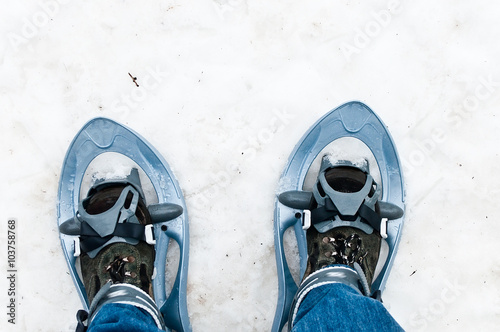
point(345, 221)
point(112, 238)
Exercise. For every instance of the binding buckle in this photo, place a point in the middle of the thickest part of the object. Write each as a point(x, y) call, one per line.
point(76, 244)
point(306, 219)
point(383, 228)
point(149, 234)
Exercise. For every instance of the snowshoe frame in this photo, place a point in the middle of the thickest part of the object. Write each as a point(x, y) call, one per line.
point(355, 120)
point(102, 135)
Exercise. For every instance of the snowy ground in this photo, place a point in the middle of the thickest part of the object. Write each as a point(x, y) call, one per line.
point(226, 88)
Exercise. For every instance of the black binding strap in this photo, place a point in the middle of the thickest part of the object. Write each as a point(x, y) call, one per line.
point(90, 239)
point(329, 211)
point(370, 217)
point(81, 316)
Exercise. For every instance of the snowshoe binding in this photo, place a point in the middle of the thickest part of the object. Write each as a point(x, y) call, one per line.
point(112, 238)
point(348, 226)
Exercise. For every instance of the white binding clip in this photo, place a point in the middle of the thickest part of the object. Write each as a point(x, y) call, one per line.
point(306, 219)
point(76, 243)
point(383, 228)
point(149, 233)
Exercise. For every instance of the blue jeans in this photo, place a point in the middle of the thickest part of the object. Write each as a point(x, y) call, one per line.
point(333, 307)
point(122, 318)
point(338, 307)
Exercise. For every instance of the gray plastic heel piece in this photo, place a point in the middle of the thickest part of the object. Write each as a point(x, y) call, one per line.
point(329, 275)
point(125, 294)
point(347, 203)
point(104, 223)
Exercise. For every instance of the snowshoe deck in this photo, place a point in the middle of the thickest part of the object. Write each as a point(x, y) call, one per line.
point(103, 135)
point(355, 120)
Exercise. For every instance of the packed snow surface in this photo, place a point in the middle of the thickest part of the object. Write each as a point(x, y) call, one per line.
point(224, 89)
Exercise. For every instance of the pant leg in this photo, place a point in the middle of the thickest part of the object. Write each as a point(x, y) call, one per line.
point(338, 307)
point(117, 317)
